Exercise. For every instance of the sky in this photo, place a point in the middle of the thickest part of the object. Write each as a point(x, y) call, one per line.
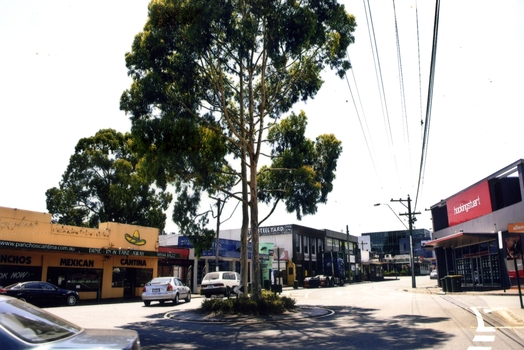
point(64, 72)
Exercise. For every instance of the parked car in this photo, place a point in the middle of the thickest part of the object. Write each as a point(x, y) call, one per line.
point(41, 293)
point(433, 275)
point(220, 283)
point(165, 288)
point(25, 326)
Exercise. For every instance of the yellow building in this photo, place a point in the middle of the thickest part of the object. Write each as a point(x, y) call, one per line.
point(113, 261)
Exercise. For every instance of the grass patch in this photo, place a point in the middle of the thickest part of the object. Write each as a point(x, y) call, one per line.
point(269, 304)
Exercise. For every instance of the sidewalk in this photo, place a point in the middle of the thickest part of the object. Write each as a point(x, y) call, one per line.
point(509, 303)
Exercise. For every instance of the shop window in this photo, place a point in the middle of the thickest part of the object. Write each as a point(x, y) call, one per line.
point(143, 276)
point(81, 280)
point(19, 273)
point(458, 253)
point(329, 244)
point(493, 247)
point(465, 252)
point(297, 243)
point(474, 250)
point(306, 244)
point(119, 277)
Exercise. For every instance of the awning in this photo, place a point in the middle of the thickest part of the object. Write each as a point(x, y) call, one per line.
point(460, 239)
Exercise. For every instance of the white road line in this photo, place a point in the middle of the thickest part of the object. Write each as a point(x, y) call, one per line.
point(480, 322)
point(484, 338)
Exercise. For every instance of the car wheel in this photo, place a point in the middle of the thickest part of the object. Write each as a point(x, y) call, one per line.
point(175, 301)
point(71, 300)
point(208, 295)
point(228, 292)
point(188, 298)
point(147, 302)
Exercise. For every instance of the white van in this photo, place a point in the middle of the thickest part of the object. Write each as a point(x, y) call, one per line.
point(220, 283)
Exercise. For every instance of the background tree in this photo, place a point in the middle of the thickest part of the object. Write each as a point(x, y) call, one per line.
point(302, 171)
point(207, 75)
point(103, 183)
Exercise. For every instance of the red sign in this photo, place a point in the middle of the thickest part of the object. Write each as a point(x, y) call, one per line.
point(470, 204)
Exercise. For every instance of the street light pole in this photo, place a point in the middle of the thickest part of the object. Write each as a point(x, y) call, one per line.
point(411, 220)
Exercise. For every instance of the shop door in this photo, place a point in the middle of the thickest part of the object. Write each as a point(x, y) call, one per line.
point(129, 282)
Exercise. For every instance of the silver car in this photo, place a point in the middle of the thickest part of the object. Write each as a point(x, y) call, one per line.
point(165, 288)
point(25, 326)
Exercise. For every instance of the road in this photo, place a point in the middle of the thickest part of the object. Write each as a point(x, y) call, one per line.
point(381, 315)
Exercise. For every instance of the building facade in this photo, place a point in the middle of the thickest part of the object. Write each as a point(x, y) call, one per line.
point(398, 242)
point(113, 261)
point(392, 250)
point(478, 231)
point(290, 252)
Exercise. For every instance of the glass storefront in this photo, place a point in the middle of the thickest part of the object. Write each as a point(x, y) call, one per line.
point(479, 264)
point(81, 280)
point(130, 278)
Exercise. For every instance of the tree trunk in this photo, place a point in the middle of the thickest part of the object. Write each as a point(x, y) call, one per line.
point(257, 288)
point(244, 263)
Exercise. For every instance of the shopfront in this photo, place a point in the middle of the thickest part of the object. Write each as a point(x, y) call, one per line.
point(478, 232)
point(113, 261)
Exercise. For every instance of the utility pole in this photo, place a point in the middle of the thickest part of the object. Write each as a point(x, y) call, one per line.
point(411, 219)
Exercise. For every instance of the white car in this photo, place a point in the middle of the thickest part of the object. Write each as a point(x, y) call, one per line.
point(165, 288)
point(220, 283)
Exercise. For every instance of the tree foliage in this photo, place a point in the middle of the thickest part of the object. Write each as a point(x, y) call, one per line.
point(103, 183)
point(302, 171)
point(208, 77)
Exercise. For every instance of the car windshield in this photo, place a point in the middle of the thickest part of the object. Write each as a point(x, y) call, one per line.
point(34, 325)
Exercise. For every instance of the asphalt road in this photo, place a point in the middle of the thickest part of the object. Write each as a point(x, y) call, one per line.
point(383, 315)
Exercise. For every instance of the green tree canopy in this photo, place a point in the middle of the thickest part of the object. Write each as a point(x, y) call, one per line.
point(302, 171)
point(208, 77)
point(103, 183)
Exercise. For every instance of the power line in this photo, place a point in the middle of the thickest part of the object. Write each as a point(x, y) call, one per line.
point(360, 120)
point(425, 140)
point(380, 82)
point(401, 86)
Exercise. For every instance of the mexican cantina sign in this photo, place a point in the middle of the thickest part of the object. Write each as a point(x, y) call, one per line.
point(470, 204)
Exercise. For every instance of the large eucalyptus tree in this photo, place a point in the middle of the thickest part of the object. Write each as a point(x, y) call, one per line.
point(208, 79)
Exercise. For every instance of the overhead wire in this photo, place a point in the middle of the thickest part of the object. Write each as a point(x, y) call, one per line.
point(401, 86)
point(380, 82)
point(429, 101)
point(369, 147)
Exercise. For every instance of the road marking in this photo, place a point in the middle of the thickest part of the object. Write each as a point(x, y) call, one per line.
point(487, 311)
point(480, 322)
point(484, 338)
point(479, 348)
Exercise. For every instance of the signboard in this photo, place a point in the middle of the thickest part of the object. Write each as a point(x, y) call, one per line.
point(470, 204)
point(73, 249)
point(275, 230)
point(226, 247)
